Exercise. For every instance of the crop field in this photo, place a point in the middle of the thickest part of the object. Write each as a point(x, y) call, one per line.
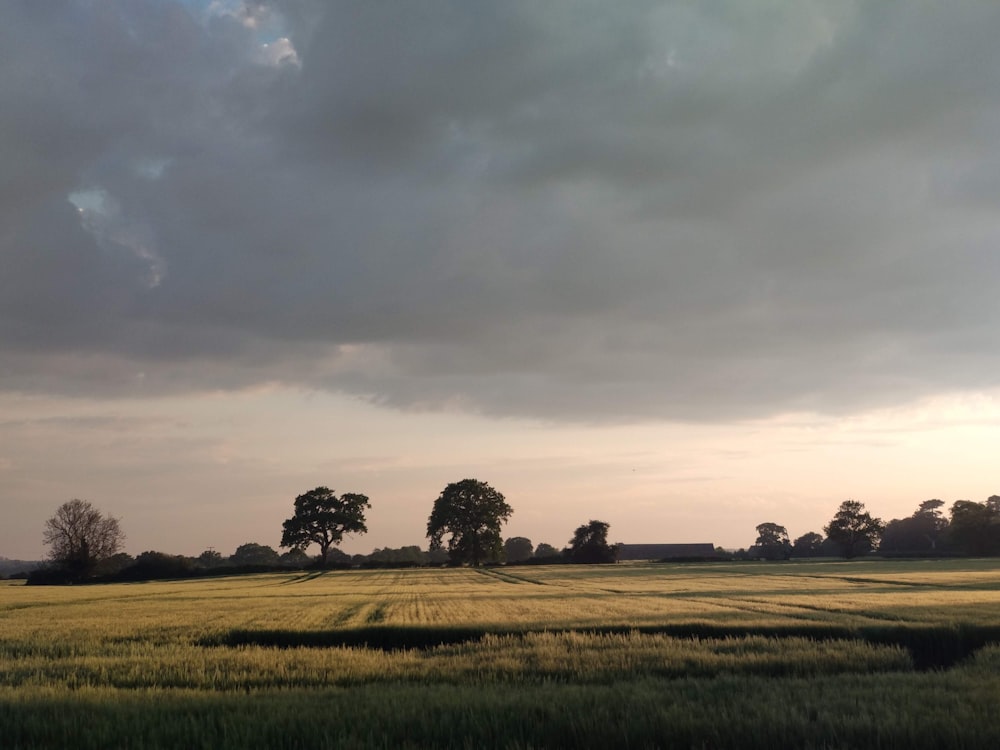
point(888, 654)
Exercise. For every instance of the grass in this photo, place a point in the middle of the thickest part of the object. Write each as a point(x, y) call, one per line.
point(813, 654)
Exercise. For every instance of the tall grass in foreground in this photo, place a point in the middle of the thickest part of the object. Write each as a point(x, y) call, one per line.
point(911, 711)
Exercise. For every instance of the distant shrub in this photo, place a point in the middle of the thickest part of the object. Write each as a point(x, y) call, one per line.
point(155, 565)
point(50, 576)
point(556, 559)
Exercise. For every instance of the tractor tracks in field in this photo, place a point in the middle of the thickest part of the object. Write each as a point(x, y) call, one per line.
point(508, 577)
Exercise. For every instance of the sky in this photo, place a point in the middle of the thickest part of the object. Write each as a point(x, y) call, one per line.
point(681, 266)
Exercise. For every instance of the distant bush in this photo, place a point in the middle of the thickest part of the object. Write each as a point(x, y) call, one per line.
point(50, 576)
point(556, 559)
point(154, 565)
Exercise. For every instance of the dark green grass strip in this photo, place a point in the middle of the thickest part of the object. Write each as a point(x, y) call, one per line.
point(913, 711)
point(932, 647)
point(386, 638)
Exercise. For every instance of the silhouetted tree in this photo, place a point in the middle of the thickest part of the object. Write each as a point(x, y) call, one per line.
point(323, 518)
point(772, 542)
point(470, 513)
point(853, 529)
point(545, 550)
point(252, 553)
point(918, 534)
point(337, 557)
point(112, 566)
point(808, 545)
point(438, 556)
point(931, 509)
point(590, 544)
point(295, 558)
point(210, 559)
point(518, 549)
point(975, 527)
point(152, 565)
point(80, 536)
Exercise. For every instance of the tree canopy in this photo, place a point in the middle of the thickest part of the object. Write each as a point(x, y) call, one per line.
point(918, 534)
point(544, 550)
point(80, 536)
point(518, 549)
point(253, 553)
point(772, 542)
point(470, 513)
point(323, 518)
point(590, 544)
point(808, 545)
point(975, 527)
point(854, 529)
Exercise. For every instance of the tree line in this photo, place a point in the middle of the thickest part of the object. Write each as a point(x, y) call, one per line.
point(464, 528)
point(971, 529)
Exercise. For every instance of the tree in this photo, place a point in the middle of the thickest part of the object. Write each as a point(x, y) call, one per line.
point(152, 565)
point(323, 518)
point(471, 513)
point(853, 529)
point(918, 534)
point(80, 536)
point(807, 545)
point(546, 550)
point(931, 509)
point(409, 555)
point(518, 549)
point(590, 544)
point(295, 558)
point(975, 527)
point(210, 559)
point(115, 564)
point(772, 542)
point(252, 553)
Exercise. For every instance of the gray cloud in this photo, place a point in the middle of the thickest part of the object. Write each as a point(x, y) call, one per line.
point(566, 210)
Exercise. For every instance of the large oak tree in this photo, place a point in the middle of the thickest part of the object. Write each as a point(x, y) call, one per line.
point(854, 529)
point(772, 541)
point(590, 544)
point(321, 517)
point(470, 513)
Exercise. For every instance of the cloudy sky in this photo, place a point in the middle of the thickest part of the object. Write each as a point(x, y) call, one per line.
point(682, 266)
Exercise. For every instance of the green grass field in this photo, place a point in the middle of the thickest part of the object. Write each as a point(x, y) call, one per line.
point(814, 654)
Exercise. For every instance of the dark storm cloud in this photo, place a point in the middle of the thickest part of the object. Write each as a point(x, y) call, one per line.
point(568, 209)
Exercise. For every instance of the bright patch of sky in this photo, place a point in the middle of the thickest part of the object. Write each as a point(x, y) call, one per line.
point(91, 200)
point(267, 24)
point(102, 217)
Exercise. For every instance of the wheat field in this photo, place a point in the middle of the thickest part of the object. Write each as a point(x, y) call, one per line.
point(810, 654)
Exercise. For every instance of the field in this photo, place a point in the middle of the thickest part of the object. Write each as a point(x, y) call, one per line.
point(815, 654)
